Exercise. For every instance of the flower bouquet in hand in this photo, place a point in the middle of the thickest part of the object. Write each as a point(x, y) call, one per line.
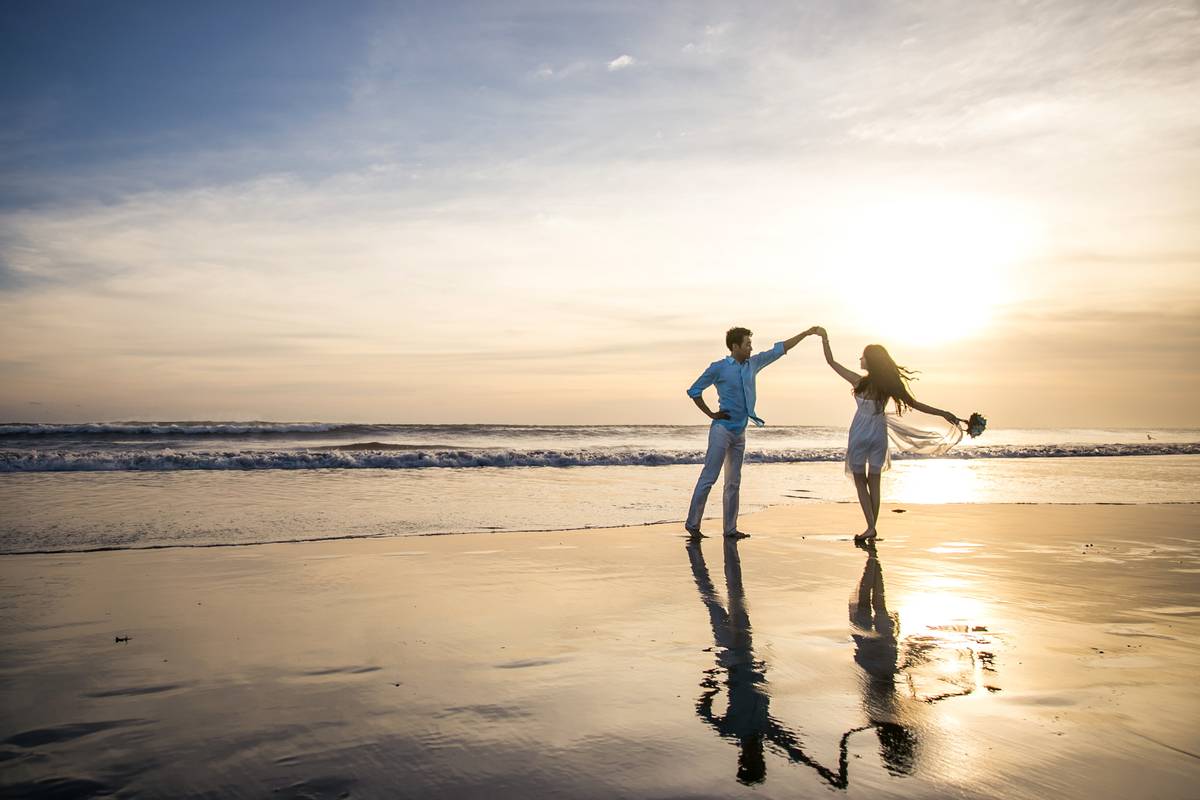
point(976, 425)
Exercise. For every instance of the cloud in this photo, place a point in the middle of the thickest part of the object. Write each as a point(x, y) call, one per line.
point(548, 72)
point(1008, 76)
point(709, 43)
point(458, 93)
point(621, 62)
point(10, 278)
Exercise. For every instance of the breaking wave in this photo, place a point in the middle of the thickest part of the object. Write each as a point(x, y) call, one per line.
point(171, 460)
point(173, 428)
point(226, 430)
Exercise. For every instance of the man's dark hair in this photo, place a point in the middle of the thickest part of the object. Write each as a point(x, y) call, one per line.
point(735, 335)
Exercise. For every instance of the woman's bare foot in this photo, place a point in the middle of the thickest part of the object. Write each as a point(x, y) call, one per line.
point(866, 536)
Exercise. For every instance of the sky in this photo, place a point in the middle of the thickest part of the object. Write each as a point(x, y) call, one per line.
point(533, 212)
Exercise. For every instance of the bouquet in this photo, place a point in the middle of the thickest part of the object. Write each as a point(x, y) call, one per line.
point(976, 425)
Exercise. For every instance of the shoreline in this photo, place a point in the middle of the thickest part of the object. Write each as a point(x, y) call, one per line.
point(79, 512)
point(815, 503)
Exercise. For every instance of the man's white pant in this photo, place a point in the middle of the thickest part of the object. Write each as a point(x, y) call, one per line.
point(725, 447)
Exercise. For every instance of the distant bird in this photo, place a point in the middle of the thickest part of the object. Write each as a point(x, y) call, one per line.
point(119, 639)
point(1148, 436)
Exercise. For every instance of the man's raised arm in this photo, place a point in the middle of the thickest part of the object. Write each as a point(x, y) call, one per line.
point(766, 357)
point(788, 344)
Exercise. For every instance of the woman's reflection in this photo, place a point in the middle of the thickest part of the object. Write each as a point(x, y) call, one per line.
point(876, 650)
point(902, 677)
point(747, 718)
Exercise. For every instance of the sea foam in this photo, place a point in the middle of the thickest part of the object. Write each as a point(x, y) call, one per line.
point(47, 460)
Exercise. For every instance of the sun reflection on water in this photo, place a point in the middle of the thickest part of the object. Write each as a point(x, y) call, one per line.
point(947, 642)
point(935, 481)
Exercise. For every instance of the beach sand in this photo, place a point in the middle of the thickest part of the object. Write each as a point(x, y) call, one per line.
point(980, 651)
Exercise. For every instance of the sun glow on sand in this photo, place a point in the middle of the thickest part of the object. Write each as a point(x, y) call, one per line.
point(939, 609)
point(930, 268)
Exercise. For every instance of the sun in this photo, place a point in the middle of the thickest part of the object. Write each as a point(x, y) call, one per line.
point(929, 268)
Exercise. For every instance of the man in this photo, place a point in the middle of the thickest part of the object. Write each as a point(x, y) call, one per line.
point(734, 378)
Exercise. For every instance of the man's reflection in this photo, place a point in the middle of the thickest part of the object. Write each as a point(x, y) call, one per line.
point(747, 718)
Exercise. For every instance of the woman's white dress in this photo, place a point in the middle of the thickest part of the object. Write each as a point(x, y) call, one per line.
point(868, 439)
point(872, 429)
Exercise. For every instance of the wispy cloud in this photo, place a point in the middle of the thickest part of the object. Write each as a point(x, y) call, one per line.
point(621, 62)
point(547, 71)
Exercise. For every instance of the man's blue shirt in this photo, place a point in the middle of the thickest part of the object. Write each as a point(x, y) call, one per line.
point(735, 386)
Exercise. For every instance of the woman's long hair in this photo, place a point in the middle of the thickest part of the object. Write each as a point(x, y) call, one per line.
point(885, 380)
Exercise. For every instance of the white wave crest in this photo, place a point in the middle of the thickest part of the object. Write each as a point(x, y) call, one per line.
point(170, 460)
point(167, 428)
point(166, 460)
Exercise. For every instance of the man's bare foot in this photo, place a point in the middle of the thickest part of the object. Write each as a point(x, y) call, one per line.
point(694, 533)
point(737, 535)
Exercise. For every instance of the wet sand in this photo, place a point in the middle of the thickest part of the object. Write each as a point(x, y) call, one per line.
point(977, 651)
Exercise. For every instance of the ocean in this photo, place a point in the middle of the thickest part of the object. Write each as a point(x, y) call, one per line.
point(111, 485)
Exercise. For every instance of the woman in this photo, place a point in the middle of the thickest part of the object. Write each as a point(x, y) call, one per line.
point(867, 451)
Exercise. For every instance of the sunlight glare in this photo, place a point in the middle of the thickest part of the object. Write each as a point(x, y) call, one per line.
point(938, 610)
point(929, 268)
point(935, 481)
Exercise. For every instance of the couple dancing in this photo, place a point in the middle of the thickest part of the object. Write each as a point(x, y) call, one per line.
point(867, 451)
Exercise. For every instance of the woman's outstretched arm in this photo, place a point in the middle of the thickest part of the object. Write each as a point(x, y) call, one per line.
point(937, 412)
point(849, 374)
